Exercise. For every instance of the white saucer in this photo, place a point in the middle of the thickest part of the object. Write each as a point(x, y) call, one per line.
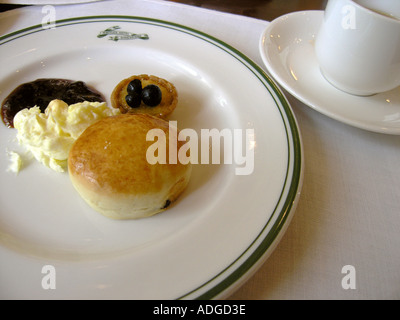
point(287, 50)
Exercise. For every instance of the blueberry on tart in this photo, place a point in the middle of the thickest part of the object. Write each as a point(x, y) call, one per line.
point(145, 94)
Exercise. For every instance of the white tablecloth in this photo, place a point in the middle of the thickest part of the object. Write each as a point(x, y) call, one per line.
point(349, 210)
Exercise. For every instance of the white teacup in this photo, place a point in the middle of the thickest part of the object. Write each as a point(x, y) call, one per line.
point(358, 45)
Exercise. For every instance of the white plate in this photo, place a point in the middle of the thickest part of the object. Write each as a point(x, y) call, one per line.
point(221, 229)
point(287, 50)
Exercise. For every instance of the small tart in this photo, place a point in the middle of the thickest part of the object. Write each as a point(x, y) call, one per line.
point(168, 102)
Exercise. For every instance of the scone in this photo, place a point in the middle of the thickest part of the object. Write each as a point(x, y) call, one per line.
point(146, 94)
point(108, 166)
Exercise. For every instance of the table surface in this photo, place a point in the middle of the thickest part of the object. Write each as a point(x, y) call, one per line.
point(349, 209)
point(260, 9)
